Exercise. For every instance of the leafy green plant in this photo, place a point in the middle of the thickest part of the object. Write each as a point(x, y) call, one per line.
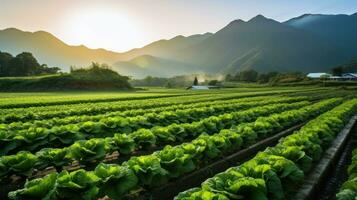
point(115, 180)
point(175, 161)
point(21, 163)
point(41, 188)
point(123, 143)
point(163, 134)
point(148, 169)
point(198, 194)
point(348, 191)
point(86, 151)
point(77, 185)
point(144, 138)
point(53, 157)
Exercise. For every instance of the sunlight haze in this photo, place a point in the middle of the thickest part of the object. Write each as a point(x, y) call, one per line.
point(123, 25)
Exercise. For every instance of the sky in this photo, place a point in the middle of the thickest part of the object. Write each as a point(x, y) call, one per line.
point(120, 25)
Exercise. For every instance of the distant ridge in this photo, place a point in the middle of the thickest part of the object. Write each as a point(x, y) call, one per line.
point(310, 42)
point(49, 49)
point(339, 30)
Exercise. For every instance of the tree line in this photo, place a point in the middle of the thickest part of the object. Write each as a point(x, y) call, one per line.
point(250, 76)
point(345, 68)
point(253, 76)
point(23, 64)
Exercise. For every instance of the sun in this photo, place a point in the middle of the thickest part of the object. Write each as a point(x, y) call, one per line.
point(103, 28)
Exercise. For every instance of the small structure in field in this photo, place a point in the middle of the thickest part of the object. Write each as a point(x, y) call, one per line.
point(326, 76)
point(318, 75)
point(198, 87)
point(349, 76)
point(202, 87)
point(335, 78)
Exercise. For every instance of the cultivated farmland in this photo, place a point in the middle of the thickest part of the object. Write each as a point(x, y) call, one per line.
point(240, 143)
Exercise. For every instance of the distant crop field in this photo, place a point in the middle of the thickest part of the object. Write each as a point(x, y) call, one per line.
point(168, 143)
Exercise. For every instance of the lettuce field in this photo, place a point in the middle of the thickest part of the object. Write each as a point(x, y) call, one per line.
point(264, 143)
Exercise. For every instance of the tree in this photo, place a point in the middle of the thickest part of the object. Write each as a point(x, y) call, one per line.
point(24, 64)
point(148, 80)
point(5, 59)
point(265, 78)
point(213, 82)
point(248, 76)
point(168, 85)
point(195, 82)
point(228, 77)
point(50, 70)
point(236, 77)
point(337, 71)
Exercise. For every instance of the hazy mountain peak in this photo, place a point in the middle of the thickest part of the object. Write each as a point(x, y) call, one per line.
point(15, 30)
point(42, 32)
point(258, 19)
point(302, 16)
point(232, 25)
point(236, 22)
point(178, 37)
point(145, 56)
point(12, 29)
point(207, 34)
point(306, 19)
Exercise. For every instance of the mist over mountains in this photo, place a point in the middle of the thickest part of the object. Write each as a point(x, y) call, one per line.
point(307, 43)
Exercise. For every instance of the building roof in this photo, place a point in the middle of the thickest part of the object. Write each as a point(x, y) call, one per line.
point(203, 87)
point(350, 75)
point(335, 77)
point(317, 75)
point(199, 87)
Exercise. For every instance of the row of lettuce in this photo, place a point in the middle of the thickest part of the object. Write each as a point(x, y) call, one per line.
point(348, 190)
point(36, 138)
point(274, 173)
point(27, 102)
point(194, 108)
point(96, 149)
point(48, 112)
point(116, 181)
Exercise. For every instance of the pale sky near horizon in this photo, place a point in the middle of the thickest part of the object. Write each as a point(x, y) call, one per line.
point(121, 25)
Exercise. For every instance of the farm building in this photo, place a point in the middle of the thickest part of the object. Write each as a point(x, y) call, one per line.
point(317, 75)
point(344, 77)
point(202, 87)
point(349, 76)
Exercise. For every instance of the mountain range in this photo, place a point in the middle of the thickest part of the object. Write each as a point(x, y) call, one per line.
point(308, 43)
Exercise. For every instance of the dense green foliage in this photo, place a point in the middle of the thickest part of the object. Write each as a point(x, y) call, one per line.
point(171, 82)
point(24, 64)
point(276, 171)
point(94, 77)
point(348, 190)
point(85, 151)
point(172, 161)
point(50, 118)
point(119, 146)
point(95, 107)
point(272, 78)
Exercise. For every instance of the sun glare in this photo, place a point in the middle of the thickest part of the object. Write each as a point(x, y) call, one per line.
point(103, 28)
